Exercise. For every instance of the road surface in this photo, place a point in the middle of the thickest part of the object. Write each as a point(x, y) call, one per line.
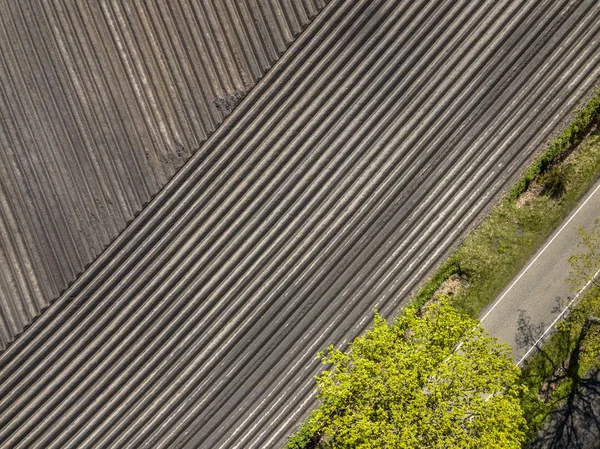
point(524, 312)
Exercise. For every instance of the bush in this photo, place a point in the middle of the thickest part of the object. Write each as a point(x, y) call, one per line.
point(555, 182)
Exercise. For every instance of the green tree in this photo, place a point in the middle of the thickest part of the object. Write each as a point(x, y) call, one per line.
point(586, 263)
point(585, 317)
point(563, 379)
point(430, 380)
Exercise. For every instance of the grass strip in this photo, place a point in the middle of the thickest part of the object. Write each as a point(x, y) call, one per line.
point(494, 253)
point(561, 146)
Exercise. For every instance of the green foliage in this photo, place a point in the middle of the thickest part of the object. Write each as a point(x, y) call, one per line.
point(495, 252)
point(585, 269)
point(486, 261)
point(492, 254)
point(555, 182)
point(585, 264)
point(570, 137)
point(306, 437)
point(448, 269)
point(554, 374)
point(408, 385)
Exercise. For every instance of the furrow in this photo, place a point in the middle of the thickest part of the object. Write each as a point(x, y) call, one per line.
point(112, 98)
point(383, 269)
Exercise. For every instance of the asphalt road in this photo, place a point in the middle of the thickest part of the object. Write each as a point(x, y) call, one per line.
point(525, 312)
point(335, 186)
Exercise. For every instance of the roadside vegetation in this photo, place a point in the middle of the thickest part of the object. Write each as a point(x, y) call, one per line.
point(518, 225)
point(566, 368)
point(360, 389)
point(562, 381)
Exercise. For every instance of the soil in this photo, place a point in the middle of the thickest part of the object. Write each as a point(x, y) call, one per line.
point(527, 197)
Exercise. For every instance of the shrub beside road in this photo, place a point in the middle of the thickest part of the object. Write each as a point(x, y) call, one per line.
point(492, 255)
point(410, 384)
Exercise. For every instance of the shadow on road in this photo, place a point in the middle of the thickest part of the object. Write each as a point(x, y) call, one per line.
point(575, 423)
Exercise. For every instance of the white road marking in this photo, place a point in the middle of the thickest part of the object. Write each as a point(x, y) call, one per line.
point(539, 254)
point(558, 317)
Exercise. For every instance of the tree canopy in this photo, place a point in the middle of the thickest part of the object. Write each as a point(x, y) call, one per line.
point(586, 263)
point(411, 385)
point(585, 317)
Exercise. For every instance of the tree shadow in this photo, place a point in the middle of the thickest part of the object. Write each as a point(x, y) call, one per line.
point(575, 423)
point(528, 333)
